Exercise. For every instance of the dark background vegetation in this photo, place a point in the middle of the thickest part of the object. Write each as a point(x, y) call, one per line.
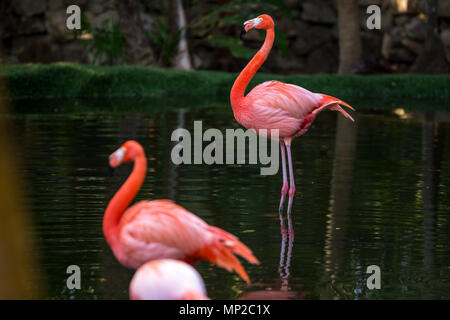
point(312, 36)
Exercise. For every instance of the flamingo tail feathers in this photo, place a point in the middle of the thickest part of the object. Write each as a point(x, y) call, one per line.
point(333, 103)
point(234, 244)
point(221, 252)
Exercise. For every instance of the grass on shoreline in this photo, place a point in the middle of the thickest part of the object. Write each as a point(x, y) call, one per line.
point(69, 80)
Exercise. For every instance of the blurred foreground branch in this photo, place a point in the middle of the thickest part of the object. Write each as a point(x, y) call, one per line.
point(18, 272)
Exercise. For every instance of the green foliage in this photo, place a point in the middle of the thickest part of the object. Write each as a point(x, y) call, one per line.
point(282, 43)
point(85, 27)
point(107, 43)
point(164, 42)
point(233, 44)
point(234, 13)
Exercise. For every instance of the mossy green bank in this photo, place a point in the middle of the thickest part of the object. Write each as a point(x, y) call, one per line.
point(69, 80)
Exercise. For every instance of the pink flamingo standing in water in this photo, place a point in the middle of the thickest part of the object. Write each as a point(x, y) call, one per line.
point(276, 105)
point(159, 229)
point(167, 279)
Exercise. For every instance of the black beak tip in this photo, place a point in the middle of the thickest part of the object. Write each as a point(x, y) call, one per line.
point(242, 32)
point(110, 170)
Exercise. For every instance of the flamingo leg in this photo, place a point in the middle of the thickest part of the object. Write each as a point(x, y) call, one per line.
point(291, 176)
point(290, 245)
point(284, 188)
point(283, 244)
point(285, 237)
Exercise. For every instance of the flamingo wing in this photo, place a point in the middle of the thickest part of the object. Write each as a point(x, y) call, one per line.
point(162, 229)
point(287, 107)
point(295, 101)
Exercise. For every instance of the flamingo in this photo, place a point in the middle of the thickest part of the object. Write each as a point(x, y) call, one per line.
point(285, 292)
point(159, 229)
point(167, 279)
point(276, 105)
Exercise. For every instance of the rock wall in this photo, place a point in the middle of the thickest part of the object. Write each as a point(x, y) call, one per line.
point(35, 31)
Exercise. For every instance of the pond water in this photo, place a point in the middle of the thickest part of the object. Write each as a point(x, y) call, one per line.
point(373, 192)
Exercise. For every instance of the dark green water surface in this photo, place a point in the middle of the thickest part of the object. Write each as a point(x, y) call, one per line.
point(373, 192)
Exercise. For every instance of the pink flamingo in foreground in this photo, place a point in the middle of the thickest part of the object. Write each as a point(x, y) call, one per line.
point(159, 229)
point(276, 105)
point(167, 279)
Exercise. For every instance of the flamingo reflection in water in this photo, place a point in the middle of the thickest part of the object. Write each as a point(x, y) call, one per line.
point(285, 292)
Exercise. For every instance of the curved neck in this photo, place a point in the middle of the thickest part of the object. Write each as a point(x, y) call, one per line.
point(122, 199)
point(242, 81)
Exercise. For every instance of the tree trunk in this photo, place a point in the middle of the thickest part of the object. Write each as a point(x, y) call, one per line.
point(350, 47)
point(136, 42)
point(432, 59)
point(182, 59)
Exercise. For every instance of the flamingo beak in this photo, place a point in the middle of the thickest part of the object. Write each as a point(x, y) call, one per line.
point(110, 170)
point(115, 159)
point(249, 25)
point(243, 31)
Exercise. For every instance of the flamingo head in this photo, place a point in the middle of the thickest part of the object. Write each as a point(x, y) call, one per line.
point(263, 21)
point(128, 152)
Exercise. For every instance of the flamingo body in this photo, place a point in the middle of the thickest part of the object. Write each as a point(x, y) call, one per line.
point(167, 279)
point(161, 229)
point(288, 108)
point(285, 107)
